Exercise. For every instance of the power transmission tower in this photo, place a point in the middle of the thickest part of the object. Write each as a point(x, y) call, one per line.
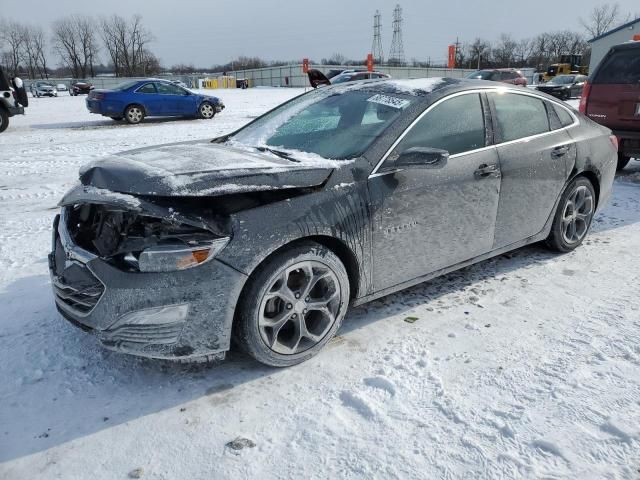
point(376, 48)
point(396, 56)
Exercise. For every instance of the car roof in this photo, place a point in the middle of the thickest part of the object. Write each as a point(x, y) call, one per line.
point(627, 45)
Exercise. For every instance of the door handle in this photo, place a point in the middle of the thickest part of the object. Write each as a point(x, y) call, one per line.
point(560, 151)
point(486, 171)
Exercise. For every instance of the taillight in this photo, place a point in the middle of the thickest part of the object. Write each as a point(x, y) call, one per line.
point(585, 97)
point(97, 96)
point(615, 141)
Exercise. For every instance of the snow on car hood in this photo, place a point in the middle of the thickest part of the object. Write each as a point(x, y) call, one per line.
point(202, 169)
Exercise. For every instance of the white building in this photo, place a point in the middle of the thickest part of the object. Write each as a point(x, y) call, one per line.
point(601, 44)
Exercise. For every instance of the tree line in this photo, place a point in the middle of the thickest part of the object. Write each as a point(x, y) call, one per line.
point(80, 43)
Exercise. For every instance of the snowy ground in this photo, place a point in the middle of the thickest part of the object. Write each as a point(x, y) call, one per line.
point(525, 366)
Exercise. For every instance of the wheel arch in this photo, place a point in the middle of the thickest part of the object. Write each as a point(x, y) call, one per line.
point(589, 175)
point(134, 104)
point(335, 245)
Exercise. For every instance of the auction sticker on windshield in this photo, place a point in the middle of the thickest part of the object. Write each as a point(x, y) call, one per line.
point(392, 102)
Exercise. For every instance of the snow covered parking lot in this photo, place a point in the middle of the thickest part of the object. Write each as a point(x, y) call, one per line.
point(524, 366)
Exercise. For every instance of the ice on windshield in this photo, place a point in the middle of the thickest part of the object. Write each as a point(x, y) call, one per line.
point(331, 123)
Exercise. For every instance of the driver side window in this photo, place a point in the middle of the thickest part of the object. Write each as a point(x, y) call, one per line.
point(456, 125)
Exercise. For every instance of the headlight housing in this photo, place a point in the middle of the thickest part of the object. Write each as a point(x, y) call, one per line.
point(167, 258)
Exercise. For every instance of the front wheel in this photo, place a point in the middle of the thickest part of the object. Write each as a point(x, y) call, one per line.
point(134, 114)
point(573, 217)
point(293, 305)
point(622, 161)
point(4, 120)
point(206, 111)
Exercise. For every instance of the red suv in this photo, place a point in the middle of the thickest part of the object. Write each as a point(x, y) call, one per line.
point(611, 97)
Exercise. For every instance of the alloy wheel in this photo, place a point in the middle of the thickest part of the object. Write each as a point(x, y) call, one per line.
point(577, 214)
point(206, 110)
point(299, 307)
point(134, 114)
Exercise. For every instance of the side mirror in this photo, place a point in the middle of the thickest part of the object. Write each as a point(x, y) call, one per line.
point(421, 157)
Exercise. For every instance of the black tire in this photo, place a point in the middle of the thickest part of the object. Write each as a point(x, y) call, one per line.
point(117, 119)
point(247, 331)
point(206, 111)
point(134, 114)
point(622, 161)
point(4, 120)
point(560, 231)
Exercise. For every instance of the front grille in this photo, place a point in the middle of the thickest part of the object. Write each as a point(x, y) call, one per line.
point(77, 288)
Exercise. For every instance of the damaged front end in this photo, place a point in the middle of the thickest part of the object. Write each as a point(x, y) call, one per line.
point(143, 276)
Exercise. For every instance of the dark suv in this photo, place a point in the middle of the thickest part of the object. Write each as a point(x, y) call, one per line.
point(611, 97)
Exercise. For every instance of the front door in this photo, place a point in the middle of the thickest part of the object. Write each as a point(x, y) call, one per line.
point(426, 219)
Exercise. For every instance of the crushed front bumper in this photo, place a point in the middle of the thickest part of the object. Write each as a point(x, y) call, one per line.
point(174, 315)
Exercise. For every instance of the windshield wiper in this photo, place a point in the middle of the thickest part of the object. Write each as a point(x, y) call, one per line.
point(279, 153)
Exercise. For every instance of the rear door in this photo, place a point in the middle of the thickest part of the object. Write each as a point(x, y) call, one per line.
point(534, 149)
point(614, 99)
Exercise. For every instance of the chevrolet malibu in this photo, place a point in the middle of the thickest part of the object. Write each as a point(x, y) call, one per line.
point(137, 99)
point(338, 197)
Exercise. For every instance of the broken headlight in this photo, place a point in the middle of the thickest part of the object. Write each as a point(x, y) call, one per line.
point(168, 257)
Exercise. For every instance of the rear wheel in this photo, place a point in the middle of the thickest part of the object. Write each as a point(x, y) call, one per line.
point(622, 161)
point(134, 114)
point(206, 111)
point(573, 217)
point(293, 305)
point(4, 120)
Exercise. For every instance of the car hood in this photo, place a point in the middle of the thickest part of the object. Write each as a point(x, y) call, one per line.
point(196, 169)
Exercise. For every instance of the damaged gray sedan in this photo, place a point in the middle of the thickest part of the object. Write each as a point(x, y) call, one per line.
point(335, 198)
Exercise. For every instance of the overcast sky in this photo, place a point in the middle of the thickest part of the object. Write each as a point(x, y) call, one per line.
point(207, 32)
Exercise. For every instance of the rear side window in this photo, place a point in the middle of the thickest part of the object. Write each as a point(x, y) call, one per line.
point(455, 125)
point(519, 116)
point(148, 88)
point(565, 117)
point(620, 67)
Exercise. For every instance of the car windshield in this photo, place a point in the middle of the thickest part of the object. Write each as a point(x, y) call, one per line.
point(334, 124)
point(126, 85)
point(562, 80)
point(481, 75)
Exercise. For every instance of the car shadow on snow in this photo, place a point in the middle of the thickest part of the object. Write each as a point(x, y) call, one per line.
point(107, 123)
point(58, 385)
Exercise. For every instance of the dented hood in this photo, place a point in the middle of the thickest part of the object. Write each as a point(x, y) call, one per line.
point(201, 169)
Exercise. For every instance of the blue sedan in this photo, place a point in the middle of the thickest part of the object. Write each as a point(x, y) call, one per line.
point(134, 100)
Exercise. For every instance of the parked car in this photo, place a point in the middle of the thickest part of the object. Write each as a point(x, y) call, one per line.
point(43, 89)
point(80, 88)
point(564, 87)
point(61, 87)
point(317, 78)
point(504, 75)
point(612, 98)
point(170, 251)
point(137, 99)
point(13, 99)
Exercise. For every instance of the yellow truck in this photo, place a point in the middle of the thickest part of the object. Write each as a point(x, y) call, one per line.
point(569, 64)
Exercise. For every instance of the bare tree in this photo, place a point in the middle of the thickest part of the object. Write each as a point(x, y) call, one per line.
point(602, 19)
point(74, 39)
point(477, 49)
point(12, 36)
point(127, 44)
point(34, 51)
point(504, 51)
